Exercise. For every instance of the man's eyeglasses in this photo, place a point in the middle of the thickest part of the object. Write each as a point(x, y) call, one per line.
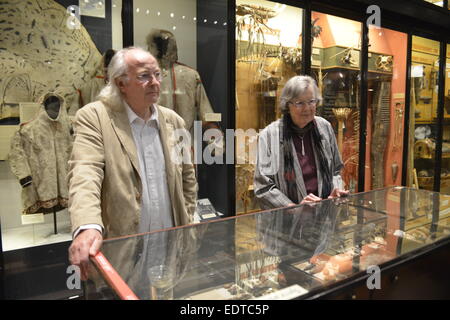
point(148, 76)
point(301, 104)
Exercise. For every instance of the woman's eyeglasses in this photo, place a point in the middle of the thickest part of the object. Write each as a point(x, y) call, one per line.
point(301, 104)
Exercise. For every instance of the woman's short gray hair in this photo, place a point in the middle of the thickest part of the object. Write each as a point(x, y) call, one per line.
point(117, 68)
point(295, 87)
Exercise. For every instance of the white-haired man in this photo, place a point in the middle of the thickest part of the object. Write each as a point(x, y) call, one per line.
point(122, 180)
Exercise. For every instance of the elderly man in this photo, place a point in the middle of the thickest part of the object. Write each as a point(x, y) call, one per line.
point(122, 180)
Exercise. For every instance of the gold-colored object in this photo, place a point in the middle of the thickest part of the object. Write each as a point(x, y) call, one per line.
point(394, 168)
point(253, 19)
point(424, 149)
point(415, 179)
point(381, 120)
point(398, 125)
point(244, 180)
point(263, 12)
point(341, 115)
point(384, 63)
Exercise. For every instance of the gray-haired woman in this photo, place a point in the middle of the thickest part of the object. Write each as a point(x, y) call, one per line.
point(298, 160)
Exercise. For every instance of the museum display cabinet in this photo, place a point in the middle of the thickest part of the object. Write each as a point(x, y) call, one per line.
point(424, 101)
point(380, 87)
point(308, 251)
point(386, 92)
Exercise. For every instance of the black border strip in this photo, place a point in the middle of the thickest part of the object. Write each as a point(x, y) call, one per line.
point(2, 267)
point(306, 39)
point(363, 107)
point(440, 117)
point(406, 122)
point(127, 23)
point(231, 116)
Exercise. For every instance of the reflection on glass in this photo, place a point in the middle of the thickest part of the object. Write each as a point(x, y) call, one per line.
point(445, 167)
point(286, 253)
point(423, 112)
point(385, 102)
point(439, 3)
point(161, 282)
point(428, 218)
point(268, 53)
point(335, 65)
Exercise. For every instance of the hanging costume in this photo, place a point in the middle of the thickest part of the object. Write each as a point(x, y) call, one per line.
point(39, 156)
point(89, 92)
point(181, 87)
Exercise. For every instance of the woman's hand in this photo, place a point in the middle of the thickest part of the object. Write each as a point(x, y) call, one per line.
point(337, 193)
point(310, 198)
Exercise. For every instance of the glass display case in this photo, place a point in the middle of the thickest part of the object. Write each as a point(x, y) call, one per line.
point(268, 53)
point(423, 111)
point(386, 107)
point(289, 253)
point(445, 168)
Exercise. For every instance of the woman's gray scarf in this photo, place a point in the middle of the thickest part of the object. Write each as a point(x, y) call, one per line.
point(289, 129)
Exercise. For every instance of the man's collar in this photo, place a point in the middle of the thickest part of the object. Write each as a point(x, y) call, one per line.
point(133, 116)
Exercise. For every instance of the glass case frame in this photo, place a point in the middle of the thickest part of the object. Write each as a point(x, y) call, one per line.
point(299, 252)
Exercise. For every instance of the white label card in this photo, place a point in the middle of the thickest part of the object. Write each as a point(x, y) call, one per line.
point(288, 293)
point(209, 215)
point(213, 117)
point(33, 218)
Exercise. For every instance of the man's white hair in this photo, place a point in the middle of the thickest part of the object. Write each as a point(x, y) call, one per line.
point(117, 68)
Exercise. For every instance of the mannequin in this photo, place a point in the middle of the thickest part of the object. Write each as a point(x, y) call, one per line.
point(88, 93)
point(52, 105)
point(181, 88)
point(39, 156)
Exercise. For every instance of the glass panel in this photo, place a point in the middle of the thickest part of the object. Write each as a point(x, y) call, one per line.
point(336, 66)
point(48, 59)
point(439, 3)
point(189, 40)
point(423, 124)
point(386, 102)
point(293, 253)
point(445, 167)
point(268, 53)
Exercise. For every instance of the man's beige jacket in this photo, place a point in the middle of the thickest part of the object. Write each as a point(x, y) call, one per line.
point(104, 178)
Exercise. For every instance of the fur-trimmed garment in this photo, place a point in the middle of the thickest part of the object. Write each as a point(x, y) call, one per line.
point(39, 156)
point(181, 87)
